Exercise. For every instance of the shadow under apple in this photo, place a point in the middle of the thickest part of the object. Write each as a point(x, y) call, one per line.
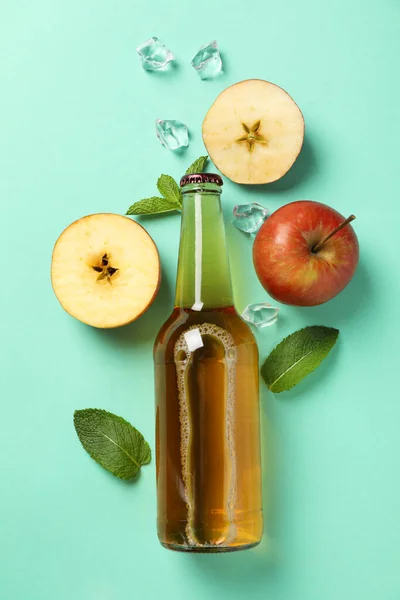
point(356, 298)
point(304, 169)
point(147, 326)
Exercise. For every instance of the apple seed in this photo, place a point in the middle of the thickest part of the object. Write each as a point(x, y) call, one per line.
point(106, 271)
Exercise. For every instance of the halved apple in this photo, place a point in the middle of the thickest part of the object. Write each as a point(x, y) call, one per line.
point(105, 270)
point(253, 132)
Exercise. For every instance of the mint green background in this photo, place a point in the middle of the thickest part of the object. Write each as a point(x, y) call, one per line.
point(77, 136)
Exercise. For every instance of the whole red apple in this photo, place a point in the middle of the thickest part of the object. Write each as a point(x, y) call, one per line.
point(305, 253)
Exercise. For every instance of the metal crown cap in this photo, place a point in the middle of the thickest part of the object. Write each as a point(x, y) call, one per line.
point(201, 178)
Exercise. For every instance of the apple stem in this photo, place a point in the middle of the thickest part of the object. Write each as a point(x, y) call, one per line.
point(320, 244)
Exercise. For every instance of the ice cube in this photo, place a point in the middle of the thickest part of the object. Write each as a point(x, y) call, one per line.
point(207, 61)
point(249, 217)
point(172, 134)
point(260, 315)
point(155, 56)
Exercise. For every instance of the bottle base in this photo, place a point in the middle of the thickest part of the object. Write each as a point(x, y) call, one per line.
point(208, 549)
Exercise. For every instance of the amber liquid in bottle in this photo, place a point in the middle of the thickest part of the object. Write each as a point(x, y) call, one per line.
point(207, 397)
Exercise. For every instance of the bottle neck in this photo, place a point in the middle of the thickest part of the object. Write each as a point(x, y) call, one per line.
point(203, 279)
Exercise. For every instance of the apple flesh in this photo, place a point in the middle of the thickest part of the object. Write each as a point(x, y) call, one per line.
point(294, 260)
point(253, 132)
point(105, 270)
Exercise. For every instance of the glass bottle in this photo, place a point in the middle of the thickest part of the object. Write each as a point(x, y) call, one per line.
point(207, 397)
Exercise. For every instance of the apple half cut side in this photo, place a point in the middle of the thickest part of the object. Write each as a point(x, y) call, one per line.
point(105, 270)
point(253, 132)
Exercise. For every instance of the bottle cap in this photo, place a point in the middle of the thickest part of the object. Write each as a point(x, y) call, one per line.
point(201, 178)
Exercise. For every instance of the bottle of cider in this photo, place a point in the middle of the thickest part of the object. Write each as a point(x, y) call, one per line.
point(207, 396)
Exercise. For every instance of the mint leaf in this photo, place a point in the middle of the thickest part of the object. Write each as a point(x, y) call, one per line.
point(198, 166)
point(151, 206)
point(168, 187)
point(297, 356)
point(112, 442)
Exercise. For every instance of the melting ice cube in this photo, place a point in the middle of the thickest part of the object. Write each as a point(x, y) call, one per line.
point(172, 134)
point(249, 217)
point(155, 56)
point(207, 61)
point(260, 315)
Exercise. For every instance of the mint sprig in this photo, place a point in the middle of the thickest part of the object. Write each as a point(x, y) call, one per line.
point(171, 195)
point(151, 206)
point(168, 187)
point(198, 165)
point(296, 356)
point(112, 442)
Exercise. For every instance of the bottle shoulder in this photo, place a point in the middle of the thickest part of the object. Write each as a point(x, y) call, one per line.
point(218, 322)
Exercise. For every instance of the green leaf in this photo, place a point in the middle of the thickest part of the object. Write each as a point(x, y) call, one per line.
point(168, 187)
point(151, 206)
point(198, 166)
point(112, 442)
point(297, 356)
